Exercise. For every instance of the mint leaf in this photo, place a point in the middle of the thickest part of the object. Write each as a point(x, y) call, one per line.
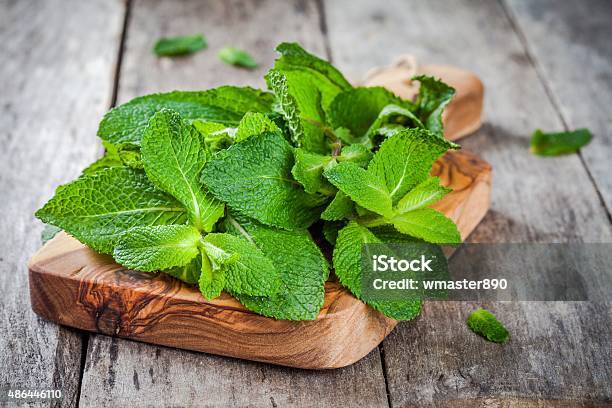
point(216, 136)
point(254, 178)
point(356, 109)
point(157, 247)
point(357, 153)
point(485, 324)
point(97, 209)
point(424, 194)
point(433, 96)
point(239, 58)
point(555, 144)
point(390, 119)
point(362, 186)
point(347, 265)
point(331, 229)
point(226, 105)
point(212, 274)
point(254, 123)
point(299, 102)
point(429, 225)
point(179, 45)
point(189, 273)
point(48, 232)
point(405, 159)
point(308, 171)
point(250, 272)
point(341, 207)
point(173, 159)
point(302, 267)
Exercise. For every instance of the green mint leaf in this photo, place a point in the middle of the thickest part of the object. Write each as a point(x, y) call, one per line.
point(189, 273)
point(182, 45)
point(424, 194)
point(362, 186)
point(390, 119)
point(555, 144)
point(97, 209)
point(253, 124)
point(405, 159)
point(429, 225)
point(173, 158)
point(226, 105)
point(239, 58)
point(250, 272)
point(254, 178)
point(485, 324)
point(48, 232)
point(299, 102)
point(302, 267)
point(357, 153)
point(308, 171)
point(356, 109)
point(433, 96)
point(212, 277)
point(331, 229)
point(341, 207)
point(216, 136)
point(110, 159)
point(347, 265)
point(157, 247)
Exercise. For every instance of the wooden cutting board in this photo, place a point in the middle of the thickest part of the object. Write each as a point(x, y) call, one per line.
point(74, 286)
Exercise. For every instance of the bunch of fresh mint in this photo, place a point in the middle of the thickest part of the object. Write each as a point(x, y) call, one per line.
point(220, 188)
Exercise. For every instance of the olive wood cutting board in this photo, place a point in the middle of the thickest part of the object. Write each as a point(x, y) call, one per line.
point(72, 285)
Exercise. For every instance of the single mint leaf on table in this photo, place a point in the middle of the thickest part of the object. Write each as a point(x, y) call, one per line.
point(422, 195)
point(173, 158)
point(362, 187)
point(433, 97)
point(405, 159)
point(485, 324)
point(97, 209)
point(181, 45)
point(341, 207)
point(429, 225)
point(250, 272)
point(239, 58)
point(299, 102)
point(157, 247)
point(226, 105)
point(254, 178)
point(302, 267)
point(253, 124)
point(555, 144)
point(347, 266)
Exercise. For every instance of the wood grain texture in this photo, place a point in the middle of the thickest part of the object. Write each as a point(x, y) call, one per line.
point(558, 351)
point(72, 285)
point(194, 379)
point(54, 88)
point(570, 44)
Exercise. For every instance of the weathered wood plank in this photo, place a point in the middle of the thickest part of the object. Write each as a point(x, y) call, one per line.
point(436, 358)
point(571, 44)
point(123, 372)
point(56, 78)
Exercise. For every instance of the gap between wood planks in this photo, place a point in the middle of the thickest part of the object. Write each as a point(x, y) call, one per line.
point(113, 101)
point(533, 61)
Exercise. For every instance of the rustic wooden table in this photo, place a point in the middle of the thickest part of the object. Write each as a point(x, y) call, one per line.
point(544, 63)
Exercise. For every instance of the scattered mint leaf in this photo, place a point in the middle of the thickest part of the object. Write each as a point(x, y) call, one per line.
point(98, 208)
point(157, 247)
point(173, 159)
point(250, 272)
point(302, 267)
point(485, 324)
point(226, 105)
point(253, 124)
point(48, 232)
point(429, 225)
point(362, 186)
point(422, 195)
point(182, 45)
point(433, 96)
point(239, 58)
point(347, 265)
point(254, 178)
point(341, 207)
point(555, 144)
